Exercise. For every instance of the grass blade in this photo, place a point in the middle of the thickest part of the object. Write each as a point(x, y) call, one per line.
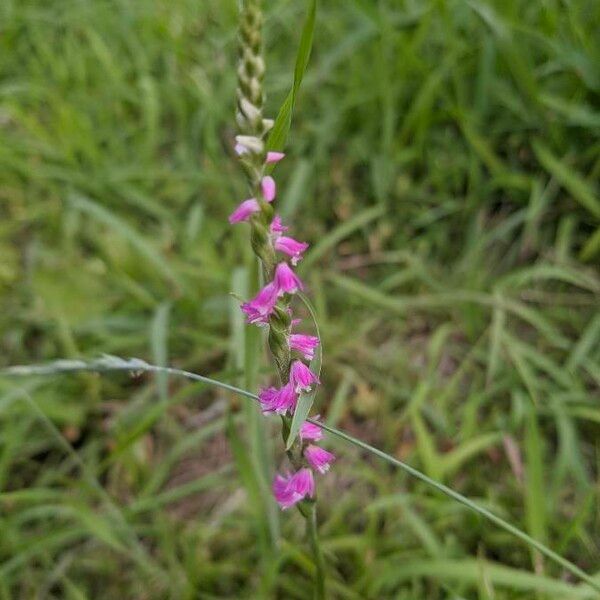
point(103, 215)
point(339, 233)
point(568, 178)
point(535, 492)
point(470, 571)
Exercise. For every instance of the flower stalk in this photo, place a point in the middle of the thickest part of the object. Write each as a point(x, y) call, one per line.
point(313, 536)
point(272, 307)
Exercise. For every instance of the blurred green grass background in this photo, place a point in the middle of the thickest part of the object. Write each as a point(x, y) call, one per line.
point(443, 163)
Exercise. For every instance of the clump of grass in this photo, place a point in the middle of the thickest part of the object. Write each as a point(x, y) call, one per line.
point(447, 155)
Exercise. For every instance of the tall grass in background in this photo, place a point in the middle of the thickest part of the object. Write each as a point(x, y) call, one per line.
point(447, 156)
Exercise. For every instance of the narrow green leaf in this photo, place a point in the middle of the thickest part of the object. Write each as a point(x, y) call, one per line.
point(584, 347)
point(339, 233)
point(482, 148)
point(413, 519)
point(143, 247)
point(568, 178)
point(281, 128)
point(454, 460)
point(591, 246)
point(305, 401)
point(535, 493)
point(496, 331)
point(99, 527)
point(515, 57)
point(469, 571)
point(426, 446)
point(523, 368)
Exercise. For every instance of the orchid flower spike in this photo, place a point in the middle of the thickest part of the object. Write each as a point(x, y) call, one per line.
point(277, 253)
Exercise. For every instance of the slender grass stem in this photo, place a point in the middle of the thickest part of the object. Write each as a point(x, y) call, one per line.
point(313, 537)
point(113, 363)
point(484, 512)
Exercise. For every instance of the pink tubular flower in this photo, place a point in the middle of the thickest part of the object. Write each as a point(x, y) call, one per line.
point(261, 306)
point(302, 377)
point(310, 432)
point(305, 344)
point(291, 247)
point(274, 157)
point(277, 227)
point(290, 489)
point(319, 459)
point(279, 401)
point(244, 211)
point(269, 189)
point(286, 281)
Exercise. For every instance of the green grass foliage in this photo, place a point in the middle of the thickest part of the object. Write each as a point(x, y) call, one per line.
point(443, 162)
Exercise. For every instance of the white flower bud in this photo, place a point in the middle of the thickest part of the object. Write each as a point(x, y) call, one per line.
point(251, 142)
point(251, 112)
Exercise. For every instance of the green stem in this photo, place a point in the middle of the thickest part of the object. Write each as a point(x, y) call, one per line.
point(313, 537)
point(543, 549)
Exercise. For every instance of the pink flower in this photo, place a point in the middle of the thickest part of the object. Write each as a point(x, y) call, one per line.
point(277, 227)
point(279, 401)
point(305, 344)
point(248, 207)
point(290, 489)
point(318, 458)
point(269, 189)
point(286, 281)
point(311, 432)
point(302, 377)
point(274, 157)
point(244, 211)
point(291, 247)
point(261, 306)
